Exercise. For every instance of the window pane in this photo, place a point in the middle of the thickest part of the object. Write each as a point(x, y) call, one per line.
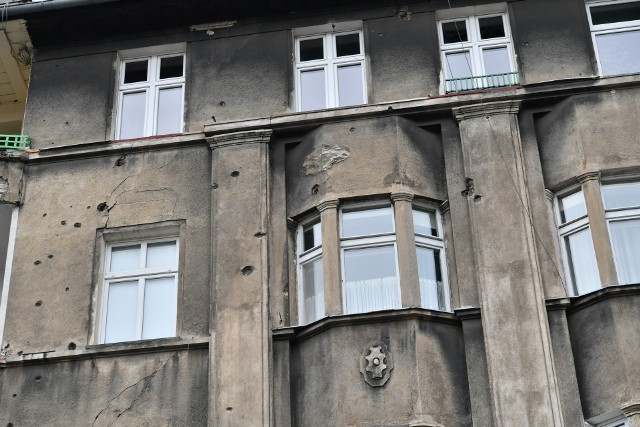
point(312, 90)
point(496, 60)
point(491, 28)
point(312, 291)
point(125, 258)
point(350, 90)
point(618, 52)
point(171, 67)
point(370, 279)
point(625, 237)
point(160, 308)
point(348, 44)
point(621, 195)
point(572, 207)
point(454, 32)
point(121, 312)
point(169, 111)
point(133, 115)
point(161, 254)
point(312, 236)
point(311, 49)
point(432, 294)
point(136, 71)
point(425, 223)
point(621, 12)
point(458, 66)
point(582, 262)
point(371, 221)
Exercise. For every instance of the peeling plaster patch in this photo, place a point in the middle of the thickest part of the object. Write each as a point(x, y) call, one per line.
point(328, 156)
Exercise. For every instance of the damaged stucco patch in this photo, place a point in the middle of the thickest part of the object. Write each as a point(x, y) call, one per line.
point(323, 160)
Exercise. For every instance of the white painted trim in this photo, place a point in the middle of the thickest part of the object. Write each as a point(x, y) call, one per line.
point(7, 271)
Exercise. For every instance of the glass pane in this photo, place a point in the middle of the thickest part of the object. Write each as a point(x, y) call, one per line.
point(582, 262)
point(454, 32)
point(348, 44)
point(121, 312)
point(491, 28)
point(425, 223)
point(160, 308)
point(431, 286)
point(161, 254)
point(372, 221)
point(496, 60)
point(621, 12)
point(171, 67)
point(370, 279)
point(136, 71)
point(312, 291)
point(312, 90)
point(312, 236)
point(621, 195)
point(458, 66)
point(350, 87)
point(311, 49)
point(572, 207)
point(618, 52)
point(125, 258)
point(133, 115)
point(169, 111)
point(625, 237)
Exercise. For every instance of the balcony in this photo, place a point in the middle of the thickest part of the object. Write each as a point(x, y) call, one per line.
point(465, 84)
point(14, 142)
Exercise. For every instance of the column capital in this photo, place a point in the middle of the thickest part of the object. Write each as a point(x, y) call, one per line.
point(328, 204)
point(292, 224)
point(631, 409)
point(589, 176)
point(444, 207)
point(401, 196)
point(258, 136)
point(549, 194)
point(486, 109)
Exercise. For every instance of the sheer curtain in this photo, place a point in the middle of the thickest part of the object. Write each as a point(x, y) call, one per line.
point(312, 291)
point(582, 257)
point(431, 286)
point(625, 236)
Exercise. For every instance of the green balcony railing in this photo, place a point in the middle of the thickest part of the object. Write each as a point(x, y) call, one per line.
point(15, 142)
point(481, 82)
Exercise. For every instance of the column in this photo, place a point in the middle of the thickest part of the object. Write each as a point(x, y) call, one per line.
point(406, 247)
point(331, 257)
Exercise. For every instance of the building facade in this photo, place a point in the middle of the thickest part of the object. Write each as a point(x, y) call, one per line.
point(337, 213)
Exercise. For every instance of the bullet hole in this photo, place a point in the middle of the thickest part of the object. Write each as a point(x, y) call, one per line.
point(121, 161)
point(229, 408)
point(352, 130)
point(66, 123)
point(20, 353)
point(14, 395)
point(222, 103)
point(235, 174)
point(37, 262)
point(247, 270)
point(88, 207)
point(63, 222)
point(102, 206)
point(613, 91)
point(315, 189)
point(38, 303)
point(77, 225)
point(213, 118)
point(9, 424)
point(38, 378)
point(66, 289)
point(390, 108)
point(260, 234)
point(70, 206)
point(487, 117)
point(477, 198)
point(43, 215)
point(214, 185)
point(526, 43)
point(49, 256)
point(379, 34)
point(71, 346)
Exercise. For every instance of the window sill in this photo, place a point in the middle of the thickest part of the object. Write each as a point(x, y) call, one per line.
point(579, 302)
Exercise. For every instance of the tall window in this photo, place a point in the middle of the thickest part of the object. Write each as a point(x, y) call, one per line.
point(622, 205)
point(151, 96)
point(477, 52)
point(140, 291)
point(369, 261)
point(311, 279)
point(330, 70)
point(579, 255)
point(429, 251)
point(615, 29)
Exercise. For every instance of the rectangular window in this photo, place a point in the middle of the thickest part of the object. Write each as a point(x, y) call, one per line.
point(150, 95)
point(615, 29)
point(310, 274)
point(429, 251)
point(477, 52)
point(140, 291)
point(330, 70)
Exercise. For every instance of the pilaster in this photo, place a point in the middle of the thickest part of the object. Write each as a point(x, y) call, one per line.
point(406, 246)
point(331, 257)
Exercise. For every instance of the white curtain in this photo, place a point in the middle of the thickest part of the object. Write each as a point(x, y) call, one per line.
point(312, 291)
point(372, 294)
point(431, 289)
point(625, 236)
point(583, 262)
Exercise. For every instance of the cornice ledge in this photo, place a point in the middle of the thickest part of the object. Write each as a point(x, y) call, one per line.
point(258, 136)
point(589, 176)
point(486, 109)
point(557, 304)
point(468, 313)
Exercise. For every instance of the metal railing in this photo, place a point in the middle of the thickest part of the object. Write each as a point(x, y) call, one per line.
point(481, 82)
point(14, 142)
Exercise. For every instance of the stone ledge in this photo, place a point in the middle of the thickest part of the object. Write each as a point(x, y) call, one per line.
point(578, 303)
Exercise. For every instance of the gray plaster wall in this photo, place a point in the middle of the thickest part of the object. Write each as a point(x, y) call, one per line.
point(605, 342)
point(428, 382)
point(597, 131)
point(55, 260)
point(148, 389)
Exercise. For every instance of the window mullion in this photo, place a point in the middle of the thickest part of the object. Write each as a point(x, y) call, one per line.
point(140, 309)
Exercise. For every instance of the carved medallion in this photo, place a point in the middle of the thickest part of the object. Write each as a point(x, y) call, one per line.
point(376, 364)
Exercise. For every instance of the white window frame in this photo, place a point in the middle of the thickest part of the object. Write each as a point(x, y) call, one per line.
point(620, 27)
point(331, 62)
point(475, 45)
point(368, 241)
point(303, 258)
point(151, 86)
point(140, 275)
